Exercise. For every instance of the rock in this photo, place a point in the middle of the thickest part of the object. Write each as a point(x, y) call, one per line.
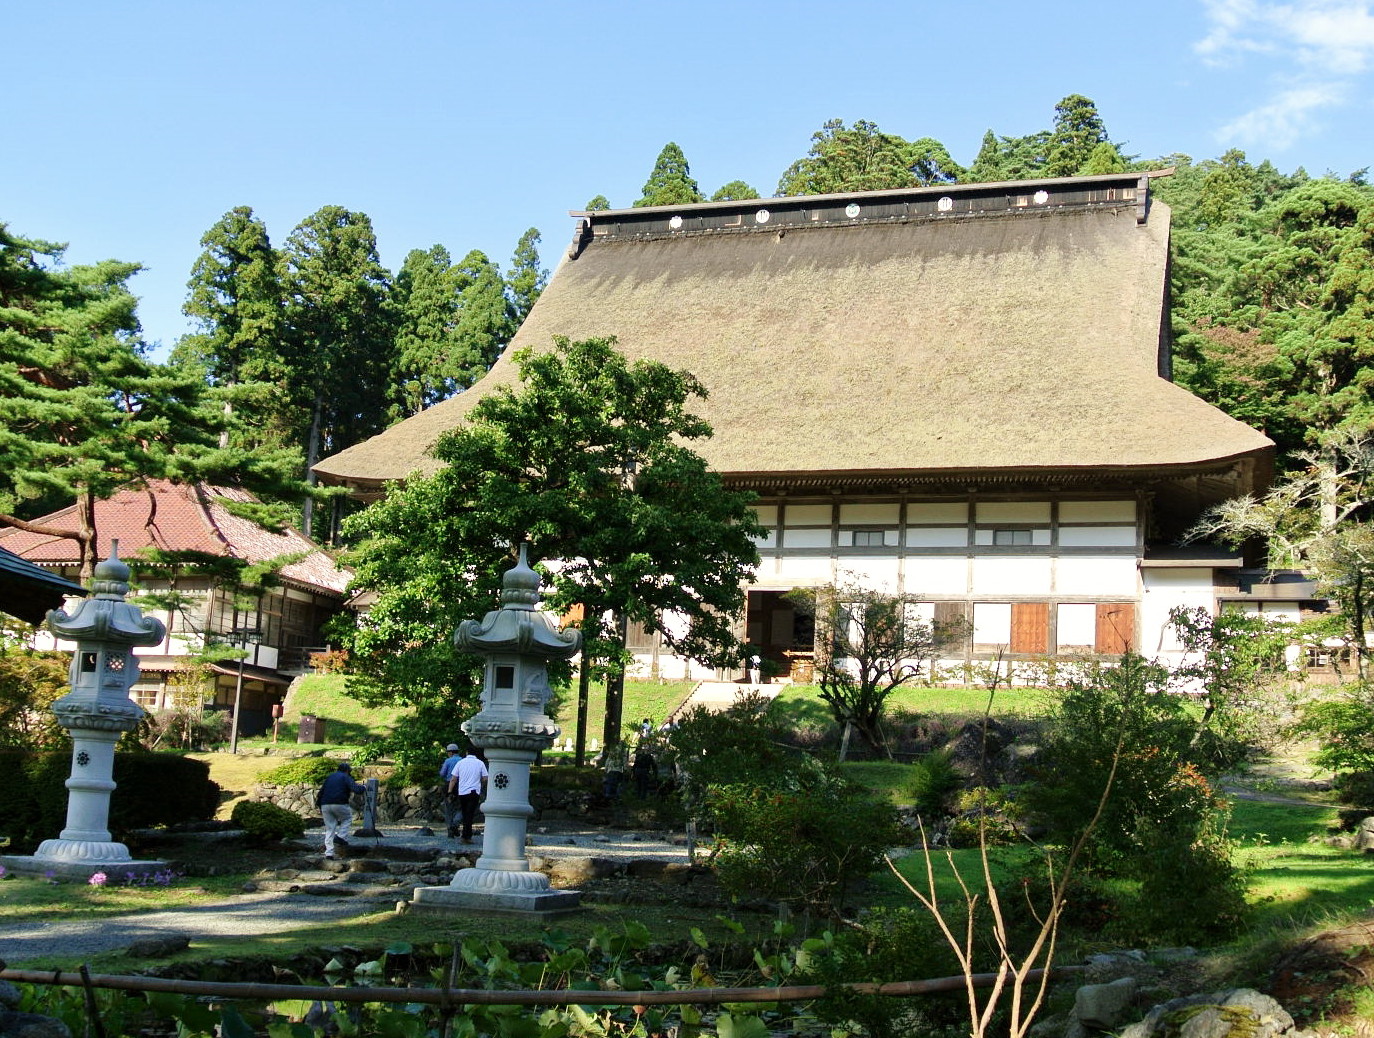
point(158, 947)
point(9, 994)
point(1239, 1013)
point(568, 873)
point(31, 1025)
point(1103, 1006)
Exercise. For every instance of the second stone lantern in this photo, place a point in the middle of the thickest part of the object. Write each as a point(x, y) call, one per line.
point(518, 640)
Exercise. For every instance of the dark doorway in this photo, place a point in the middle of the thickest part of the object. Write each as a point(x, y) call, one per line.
point(785, 635)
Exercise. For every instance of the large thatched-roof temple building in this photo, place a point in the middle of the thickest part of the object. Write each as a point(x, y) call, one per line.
point(961, 392)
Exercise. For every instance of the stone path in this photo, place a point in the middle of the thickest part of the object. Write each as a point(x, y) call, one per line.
point(717, 696)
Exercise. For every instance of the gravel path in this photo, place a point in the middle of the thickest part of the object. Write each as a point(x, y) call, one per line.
point(32, 947)
point(259, 914)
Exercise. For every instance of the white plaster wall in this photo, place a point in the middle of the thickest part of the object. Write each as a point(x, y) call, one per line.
point(875, 514)
point(1013, 512)
point(808, 515)
point(938, 513)
point(880, 574)
point(1009, 575)
point(1097, 536)
point(806, 538)
point(812, 569)
point(942, 575)
point(1096, 576)
point(1097, 511)
point(1164, 589)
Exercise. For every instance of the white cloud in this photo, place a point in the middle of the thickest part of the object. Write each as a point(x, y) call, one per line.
point(1284, 120)
point(1317, 50)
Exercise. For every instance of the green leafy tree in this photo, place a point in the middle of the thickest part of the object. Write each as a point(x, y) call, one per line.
point(1078, 131)
point(341, 334)
point(526, 279)
point(598, 204)
point(670, 182)
point(29, 682)
point(588, 461)
point(849, 158)
point(430, 365)
point(486, 319)
point(735, 191)
point(1237, 663)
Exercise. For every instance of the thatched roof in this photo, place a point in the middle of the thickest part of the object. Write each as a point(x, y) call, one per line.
point(992, 337)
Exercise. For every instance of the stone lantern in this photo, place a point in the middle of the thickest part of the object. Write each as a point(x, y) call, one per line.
point(517, 640)
point(96, 712)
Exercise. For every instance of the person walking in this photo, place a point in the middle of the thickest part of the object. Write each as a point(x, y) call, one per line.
point(333, 802)
point(465, 783)
point(445, 773)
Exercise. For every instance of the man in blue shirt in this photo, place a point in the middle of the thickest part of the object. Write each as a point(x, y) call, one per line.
point(333, 802)
point(465, 784)
point(445, 773)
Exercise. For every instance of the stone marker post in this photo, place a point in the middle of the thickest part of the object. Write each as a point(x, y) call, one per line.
point(517, 640)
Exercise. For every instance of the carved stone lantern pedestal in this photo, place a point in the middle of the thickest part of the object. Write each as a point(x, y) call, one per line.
point(518, 639)
point(96, 712)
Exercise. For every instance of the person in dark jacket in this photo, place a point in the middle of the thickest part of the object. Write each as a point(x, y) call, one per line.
point(333, 802)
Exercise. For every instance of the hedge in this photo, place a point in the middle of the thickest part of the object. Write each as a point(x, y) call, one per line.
point(152, 789)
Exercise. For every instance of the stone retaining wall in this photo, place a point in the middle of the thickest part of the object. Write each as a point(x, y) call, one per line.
point(421, 805)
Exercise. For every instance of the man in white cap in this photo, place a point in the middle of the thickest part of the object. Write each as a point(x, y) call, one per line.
point(445, 773)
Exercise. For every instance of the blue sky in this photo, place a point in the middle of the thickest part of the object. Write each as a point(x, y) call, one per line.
point(131, 128)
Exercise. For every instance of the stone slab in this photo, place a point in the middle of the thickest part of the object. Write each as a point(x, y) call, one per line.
point(80, 870)
point(536, 904)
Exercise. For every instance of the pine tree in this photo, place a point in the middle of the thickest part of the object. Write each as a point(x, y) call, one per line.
point(236, 296)
point(671, 181)
point(526, 279)
point(341, 335)
point(83, 412)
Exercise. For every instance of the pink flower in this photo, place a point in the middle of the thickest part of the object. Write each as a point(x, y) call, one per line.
point(97, 879)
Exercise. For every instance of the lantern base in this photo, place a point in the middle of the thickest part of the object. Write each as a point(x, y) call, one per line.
point(533, 902)
point(118, 871)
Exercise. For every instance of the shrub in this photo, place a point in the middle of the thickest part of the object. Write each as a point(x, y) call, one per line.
point(934, 781)
point(1345, 726)
point(892, 945)
point(267, 823)
point(807, 846)
point(299, 771)
point(985, 816)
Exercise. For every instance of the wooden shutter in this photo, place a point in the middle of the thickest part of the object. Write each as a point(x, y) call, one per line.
point(952, 624)
point(1030, 627)
point(1115, 627)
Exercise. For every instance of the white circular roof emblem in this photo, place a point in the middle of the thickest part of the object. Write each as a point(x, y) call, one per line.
point(675, 222)
point(851, 210)
point(945, 204)
point(761, 216)
point(1041, 197)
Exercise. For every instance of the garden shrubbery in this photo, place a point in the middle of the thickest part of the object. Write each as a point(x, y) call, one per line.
point(301, 771)
point(267, 823)
point(152, 789)
point(1162, 824)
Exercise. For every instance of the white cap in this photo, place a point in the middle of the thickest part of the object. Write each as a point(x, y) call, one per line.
point(453, 747)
